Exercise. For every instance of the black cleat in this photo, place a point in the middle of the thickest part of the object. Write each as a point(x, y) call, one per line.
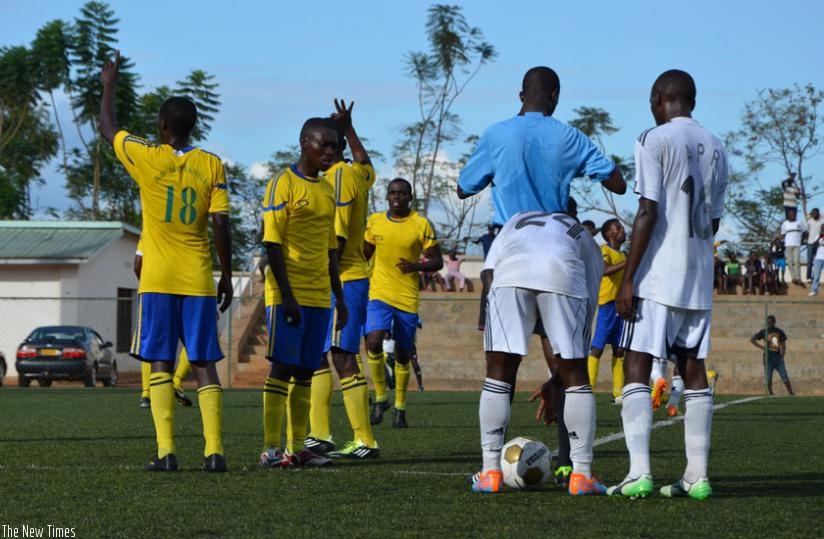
point(318, 445)
point(399, 421)
point(214, 463)
point(145, 402)
point(378, 408)
point(182, 398)
point(166, 464)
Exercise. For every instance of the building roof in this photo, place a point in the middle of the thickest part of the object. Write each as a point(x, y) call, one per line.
point(55, 241)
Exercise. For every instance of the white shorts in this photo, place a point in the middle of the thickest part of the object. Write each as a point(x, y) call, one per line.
point(658, 328)
point(513, 312)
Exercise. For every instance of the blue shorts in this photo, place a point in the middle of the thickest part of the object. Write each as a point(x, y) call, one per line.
point(300, 344)
point(608, 326)
point(381, 316)
point(164, 320)
point(356, 297)
point(781, 263)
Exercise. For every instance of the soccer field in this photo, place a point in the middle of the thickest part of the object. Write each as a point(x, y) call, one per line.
point(72, 458)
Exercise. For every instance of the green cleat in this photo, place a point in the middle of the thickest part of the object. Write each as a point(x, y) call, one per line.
point(356, 449)
point(700, 490)
point(632, 488)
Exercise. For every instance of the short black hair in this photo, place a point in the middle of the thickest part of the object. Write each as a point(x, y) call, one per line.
point(180, 115)
point(676, 85)
point(341, 135)
point(316, 124)
point(404, 180)
point(607, 225)
point(541, 79)
point(588, 223)
point(771, 317)
point(572, 207)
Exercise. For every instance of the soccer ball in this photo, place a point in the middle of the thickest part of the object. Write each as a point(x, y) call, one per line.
point(526, 463)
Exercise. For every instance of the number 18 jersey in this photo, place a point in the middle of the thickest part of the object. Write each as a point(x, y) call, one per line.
point(683, 167)
point(178, 191)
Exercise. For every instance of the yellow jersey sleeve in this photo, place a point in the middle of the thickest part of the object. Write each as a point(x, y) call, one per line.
point(274, 208)
point(365, 172)
point(610, 283)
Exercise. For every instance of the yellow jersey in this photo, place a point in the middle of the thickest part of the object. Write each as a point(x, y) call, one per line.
point(178, 191)
point(610, 283)
point(351, 183)
point(394, 239)
point(299, 215)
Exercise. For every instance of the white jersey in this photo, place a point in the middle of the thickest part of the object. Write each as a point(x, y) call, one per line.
point(792, 231)
point(549, 252)
point(683, 167)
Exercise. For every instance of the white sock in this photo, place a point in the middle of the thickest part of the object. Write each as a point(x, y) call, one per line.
point(579, 415)
point(677, 389)
point(637, 417)
point(494, 414)
point(659, 369)
point(697, 427)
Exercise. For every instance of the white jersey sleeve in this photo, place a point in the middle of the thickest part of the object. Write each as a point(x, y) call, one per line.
point(683, 168)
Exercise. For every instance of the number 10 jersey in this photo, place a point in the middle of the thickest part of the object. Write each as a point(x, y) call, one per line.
point(178, 191)
point(683, 167)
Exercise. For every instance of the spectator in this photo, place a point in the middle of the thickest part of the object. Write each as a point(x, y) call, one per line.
point(454, 278)
point(754, 278)
point(590, 226)
point(719, 276)
point(818, 263)
point(813, 232)
point(732, 272)
point(779, 260)
point(487, 239)
point(792, 230)
point(792, 193)
point(775, 346)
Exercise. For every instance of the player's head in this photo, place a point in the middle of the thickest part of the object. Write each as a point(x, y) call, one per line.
point(341, 139)
point(572, 207)
point(613, 231)
point(791, 214)
point(176, 118)
point(771, 321)
point(318, 143)
point(814, 213)
point(399, 196)
point(673, 94)
point(541, 89)
point(590, 226)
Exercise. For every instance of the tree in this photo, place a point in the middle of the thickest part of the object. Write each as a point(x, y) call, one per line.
point(199, 88)
point(596, 123)
point(780, 126)
point(51, 48)
point(456, 53)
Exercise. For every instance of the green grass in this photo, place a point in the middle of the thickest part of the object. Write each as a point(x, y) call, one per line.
point(73, 458)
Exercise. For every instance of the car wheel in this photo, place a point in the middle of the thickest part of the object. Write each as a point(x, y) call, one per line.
point(111, 381)
point(44, 382)
point(91, 379)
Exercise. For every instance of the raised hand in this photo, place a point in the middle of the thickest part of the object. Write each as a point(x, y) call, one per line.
point(343, 114)
point(111, 70)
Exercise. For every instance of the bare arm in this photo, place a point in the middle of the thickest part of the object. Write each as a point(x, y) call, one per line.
point(222, 233)
point(609, 270)
point(277, 263)
point(337, 290)
point(615, 182)
point(339, 251)
point(368, 250)
point(755, 343)
point(642, 228)
point(461, 194)
point(434, 262)
point(108, 114)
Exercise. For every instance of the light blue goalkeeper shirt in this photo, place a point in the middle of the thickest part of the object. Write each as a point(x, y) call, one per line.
point(530, 160)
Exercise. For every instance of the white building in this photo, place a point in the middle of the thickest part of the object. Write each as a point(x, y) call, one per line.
point(58, 273)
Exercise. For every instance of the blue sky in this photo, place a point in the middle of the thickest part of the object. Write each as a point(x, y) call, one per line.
point(280, 62)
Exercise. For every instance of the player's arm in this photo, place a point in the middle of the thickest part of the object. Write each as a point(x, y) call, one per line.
point(477, 173)
point(609, 269)
point(615, 182)
point(434, 261)
point(782, 347)
point(344, 116)
point(277, 263)
point(368, 249)
point(337, 290)
point(754, 341)
point(108, 114)
point(642, 229)
point(222, 234)
point(137, 265)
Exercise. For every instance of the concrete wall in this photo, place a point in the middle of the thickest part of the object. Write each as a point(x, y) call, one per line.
point(451, 355)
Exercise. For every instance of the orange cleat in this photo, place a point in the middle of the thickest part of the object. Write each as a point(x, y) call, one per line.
point(658, 392)
point(580, 485)
point(489, 482)
point(672, 411)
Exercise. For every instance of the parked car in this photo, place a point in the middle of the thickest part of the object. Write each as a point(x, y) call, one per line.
point(65, 353)
point(3, 367)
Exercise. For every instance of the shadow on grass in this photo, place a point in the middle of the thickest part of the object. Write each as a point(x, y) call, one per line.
point(799, 485)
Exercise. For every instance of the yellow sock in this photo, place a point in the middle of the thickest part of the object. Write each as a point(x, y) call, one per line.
point(402, 373)
point(210, 398)
point(357, 408)
point(274, 399)
point(145, 374)
point(163, 411)
point(377, 366)
point(321, 403)
point(593, 363)
point(182, 370)
point(617, 376)
point(359, 361)
point(297, 413)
